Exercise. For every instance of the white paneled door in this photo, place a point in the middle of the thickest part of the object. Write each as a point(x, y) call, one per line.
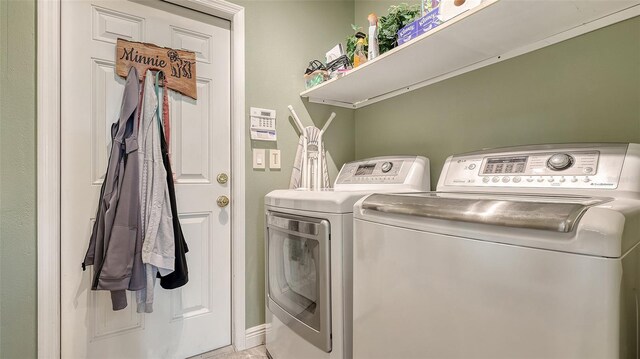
point(197, 317)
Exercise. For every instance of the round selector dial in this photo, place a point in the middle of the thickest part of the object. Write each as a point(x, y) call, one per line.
point(386, 167)
point(560, 161)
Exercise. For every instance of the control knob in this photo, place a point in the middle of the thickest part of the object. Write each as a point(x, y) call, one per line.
point(560, 161)
point(386, 167)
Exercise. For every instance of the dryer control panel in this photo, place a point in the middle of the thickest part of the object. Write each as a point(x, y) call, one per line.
point(565, 166)
point(382, 172)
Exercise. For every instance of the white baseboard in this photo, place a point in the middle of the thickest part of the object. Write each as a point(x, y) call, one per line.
point(255, 336)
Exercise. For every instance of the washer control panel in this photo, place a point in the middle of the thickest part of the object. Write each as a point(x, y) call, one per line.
point(570, 166)
point(549, 164)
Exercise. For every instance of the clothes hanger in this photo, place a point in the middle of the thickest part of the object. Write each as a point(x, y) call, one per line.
point(159, 78)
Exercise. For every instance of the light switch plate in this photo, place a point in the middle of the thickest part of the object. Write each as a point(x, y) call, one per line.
point(274, 159)
point(259, 158)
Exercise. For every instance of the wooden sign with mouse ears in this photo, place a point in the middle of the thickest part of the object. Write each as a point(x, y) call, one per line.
point(179, 66)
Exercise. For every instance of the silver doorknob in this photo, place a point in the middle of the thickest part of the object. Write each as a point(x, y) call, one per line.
point(222, 201)
point(222, 178)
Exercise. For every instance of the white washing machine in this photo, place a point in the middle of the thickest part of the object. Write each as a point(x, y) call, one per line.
point(524, 252)
point(308, 256)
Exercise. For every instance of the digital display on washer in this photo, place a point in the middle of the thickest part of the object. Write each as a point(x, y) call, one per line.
point(505, 165)
point(364, 170)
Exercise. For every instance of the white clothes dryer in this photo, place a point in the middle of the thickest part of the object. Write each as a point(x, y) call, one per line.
point(524, 252)
point(308, 252)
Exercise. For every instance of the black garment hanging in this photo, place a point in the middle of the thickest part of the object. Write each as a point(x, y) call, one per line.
point(180, 276)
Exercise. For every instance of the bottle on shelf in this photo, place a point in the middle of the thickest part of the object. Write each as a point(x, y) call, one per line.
point(374, 49)
point(359, 55)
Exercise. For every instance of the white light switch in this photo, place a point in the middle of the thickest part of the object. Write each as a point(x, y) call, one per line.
point(274, 159)
point(258, 158)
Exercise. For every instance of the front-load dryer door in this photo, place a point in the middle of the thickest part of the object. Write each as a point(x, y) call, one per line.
point(298, 275)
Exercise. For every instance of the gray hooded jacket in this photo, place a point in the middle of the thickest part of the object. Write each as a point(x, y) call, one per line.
point(116, 243)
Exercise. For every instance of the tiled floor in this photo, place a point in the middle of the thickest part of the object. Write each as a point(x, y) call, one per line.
point(229, 353)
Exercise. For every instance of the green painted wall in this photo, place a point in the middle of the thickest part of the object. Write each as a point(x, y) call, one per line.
point(17, 180)
point(583, 89)
point(281, 38)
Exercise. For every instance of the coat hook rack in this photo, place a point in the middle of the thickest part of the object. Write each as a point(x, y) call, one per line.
point(178, 66)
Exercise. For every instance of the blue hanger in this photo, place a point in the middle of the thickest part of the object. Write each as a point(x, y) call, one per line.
point(159, 96)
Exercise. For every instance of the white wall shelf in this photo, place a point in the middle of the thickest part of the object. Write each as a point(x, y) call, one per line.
point(494, 31)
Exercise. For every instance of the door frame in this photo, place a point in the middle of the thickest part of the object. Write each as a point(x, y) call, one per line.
point(48, 168)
